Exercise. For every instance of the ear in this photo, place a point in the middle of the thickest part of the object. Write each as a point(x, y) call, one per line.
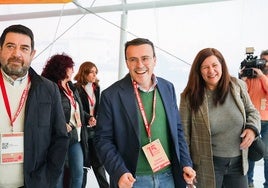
point(154, 59)
point(32, 54)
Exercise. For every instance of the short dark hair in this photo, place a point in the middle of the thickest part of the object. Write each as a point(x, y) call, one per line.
point(264, 52)
point(137, 42)
point(17, 29)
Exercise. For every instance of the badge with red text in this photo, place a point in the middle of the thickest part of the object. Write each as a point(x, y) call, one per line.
point(156, 155)
point(12, 148)
point(77, 119)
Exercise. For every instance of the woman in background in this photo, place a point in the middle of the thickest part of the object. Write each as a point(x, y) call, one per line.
point(89, 90)
point(219, 121)
point(59, 69)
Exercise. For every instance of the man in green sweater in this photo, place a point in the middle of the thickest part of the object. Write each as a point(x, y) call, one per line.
point(139, 134)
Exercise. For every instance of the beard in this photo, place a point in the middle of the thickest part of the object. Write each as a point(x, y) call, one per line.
point(15, 71)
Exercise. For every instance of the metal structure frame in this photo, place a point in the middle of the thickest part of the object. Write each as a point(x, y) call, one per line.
point(124, 7)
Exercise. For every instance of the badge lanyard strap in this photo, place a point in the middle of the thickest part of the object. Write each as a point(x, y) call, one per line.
point(143, 114)
point(91, 100)
point(69, 95)
point(6, 101)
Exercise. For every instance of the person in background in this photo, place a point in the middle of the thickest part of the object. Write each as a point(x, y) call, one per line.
point(88, 87)
point(31, 118)
point(258, 92)
point(218, 137)
point(59, 69)
point(139, 134)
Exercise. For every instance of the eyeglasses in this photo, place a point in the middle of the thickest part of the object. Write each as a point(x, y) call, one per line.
point(143, 59)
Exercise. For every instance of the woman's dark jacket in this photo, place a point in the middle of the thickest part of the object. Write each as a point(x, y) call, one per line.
point(85, 103)
point(84, 118)
point(84, 99)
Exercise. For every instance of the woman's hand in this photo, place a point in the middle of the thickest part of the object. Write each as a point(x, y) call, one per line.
point(69, 128)
point(92, 121)
point(248, 136)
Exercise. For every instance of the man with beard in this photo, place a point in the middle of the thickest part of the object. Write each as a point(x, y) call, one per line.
point(139, 134)
point(258, 92)
point(33, 134)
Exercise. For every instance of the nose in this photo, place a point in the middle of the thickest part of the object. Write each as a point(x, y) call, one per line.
point(139, 63)
point(210, 69)
point(17, 52)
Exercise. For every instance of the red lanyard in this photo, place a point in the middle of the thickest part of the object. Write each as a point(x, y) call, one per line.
point(70, 96)
point(143, 114)
point(91, 100)
point(6, 101)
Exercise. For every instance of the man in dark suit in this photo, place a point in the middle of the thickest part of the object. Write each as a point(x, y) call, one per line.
point(32, 122)
point(138, 134)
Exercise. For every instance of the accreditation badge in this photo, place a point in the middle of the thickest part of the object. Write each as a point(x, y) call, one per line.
point(12, 148)
point(156, 155)
point(77, 118)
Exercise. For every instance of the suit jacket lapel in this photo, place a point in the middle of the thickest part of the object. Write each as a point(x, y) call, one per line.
point(165, 96)
point(204, 112)
point(165, 93)
point(129, 103)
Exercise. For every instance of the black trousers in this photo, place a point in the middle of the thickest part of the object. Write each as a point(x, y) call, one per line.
point(229, 172)
point(97, 166)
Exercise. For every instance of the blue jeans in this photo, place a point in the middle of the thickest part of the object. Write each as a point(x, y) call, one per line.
point(75, 161)
point(229, 172)
point(161, 180)
point(264, 135)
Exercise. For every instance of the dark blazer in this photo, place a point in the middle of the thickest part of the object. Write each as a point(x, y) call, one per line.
point(45, 134)
point(118, 135)
point(84, 99)
point(85, 103)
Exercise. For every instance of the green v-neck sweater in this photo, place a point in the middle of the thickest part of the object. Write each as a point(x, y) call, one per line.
point(159, 130)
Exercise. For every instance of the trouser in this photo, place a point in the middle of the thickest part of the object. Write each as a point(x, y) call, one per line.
point(97, 166)
point(161, 180)
point(229, 172)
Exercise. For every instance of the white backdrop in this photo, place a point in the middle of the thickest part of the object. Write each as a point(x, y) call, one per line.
point(178, 33)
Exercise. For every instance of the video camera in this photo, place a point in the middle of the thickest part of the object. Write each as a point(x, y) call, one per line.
point(251, 62)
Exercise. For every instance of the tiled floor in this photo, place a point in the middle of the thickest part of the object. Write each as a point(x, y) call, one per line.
point(258, 177)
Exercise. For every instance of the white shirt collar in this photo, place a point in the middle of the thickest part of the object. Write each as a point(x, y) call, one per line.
point(14, 82)
point(155, 81)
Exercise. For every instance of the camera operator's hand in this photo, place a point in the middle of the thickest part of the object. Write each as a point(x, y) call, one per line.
point(258, 72)
point(241, 73)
